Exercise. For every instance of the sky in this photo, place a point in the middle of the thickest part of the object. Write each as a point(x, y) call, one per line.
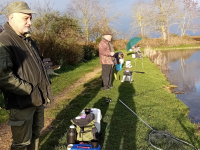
point(124, 22)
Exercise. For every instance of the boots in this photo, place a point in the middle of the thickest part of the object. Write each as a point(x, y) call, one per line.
point(18, 148)
point(34, 144)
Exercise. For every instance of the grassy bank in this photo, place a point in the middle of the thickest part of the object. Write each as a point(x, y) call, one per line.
point(119, 127)
point(181, 47)
point(68, 75)
point(172, 42)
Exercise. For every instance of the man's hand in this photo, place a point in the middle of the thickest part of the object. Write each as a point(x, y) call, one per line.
point(112, 53)
point(48, 101)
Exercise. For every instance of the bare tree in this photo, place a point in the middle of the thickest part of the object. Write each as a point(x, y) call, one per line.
point(190, 13)
point(94, 17)
point(139, 14)
point(3, 6)
point(164, 15)
point(109, 16)
point(86, 11)
point(96, 33)
point(40, 8)
point(40, 20)
point(124, 35)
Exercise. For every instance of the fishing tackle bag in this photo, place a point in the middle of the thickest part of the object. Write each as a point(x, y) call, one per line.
point(85, 127)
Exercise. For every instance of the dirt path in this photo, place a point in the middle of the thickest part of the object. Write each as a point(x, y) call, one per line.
point(5, 131)
point(62, 95)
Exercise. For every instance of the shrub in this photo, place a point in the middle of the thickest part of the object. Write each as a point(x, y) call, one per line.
point(73, 55)
point(119, 44)
point(174, 35)
point(90, 51)
point(88, 54)
point(57, 37)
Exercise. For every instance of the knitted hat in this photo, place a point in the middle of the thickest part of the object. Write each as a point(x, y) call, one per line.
point(18, 7)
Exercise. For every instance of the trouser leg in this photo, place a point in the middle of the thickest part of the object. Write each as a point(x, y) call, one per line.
point(105, 75)
point(26, 125)
point(110, 76)
point(38, 124)
point(21, 127)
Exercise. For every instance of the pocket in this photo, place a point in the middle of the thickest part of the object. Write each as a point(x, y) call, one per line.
point(95, 133)
point(87, 135)
point(13, 112)
point(35, 91)
point(17, 123)
point(36, 96)
point(34, 99)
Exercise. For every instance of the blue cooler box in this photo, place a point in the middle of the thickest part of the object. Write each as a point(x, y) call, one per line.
point(87, 146)
point(118, 67)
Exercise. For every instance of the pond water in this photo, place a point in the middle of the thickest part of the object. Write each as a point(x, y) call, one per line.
point(184, 72)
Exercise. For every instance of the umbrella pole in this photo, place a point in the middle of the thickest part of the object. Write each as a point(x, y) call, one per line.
point(142, 64)
point(135, 63)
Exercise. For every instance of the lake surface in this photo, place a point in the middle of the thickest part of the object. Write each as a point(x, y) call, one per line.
point(184, 72)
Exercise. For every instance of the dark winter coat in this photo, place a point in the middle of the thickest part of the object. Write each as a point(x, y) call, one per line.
point(23, 78)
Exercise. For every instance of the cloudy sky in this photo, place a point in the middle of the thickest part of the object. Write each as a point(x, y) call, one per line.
point(124, 23)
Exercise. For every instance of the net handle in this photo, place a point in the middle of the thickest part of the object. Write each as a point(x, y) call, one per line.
point(173, 138)
point(151, 143)
point(136, 115)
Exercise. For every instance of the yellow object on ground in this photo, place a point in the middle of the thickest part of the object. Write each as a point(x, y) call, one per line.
point(115, 76)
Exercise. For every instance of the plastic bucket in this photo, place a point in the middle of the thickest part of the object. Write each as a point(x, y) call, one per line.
point(118, 67)
point(128, 62)
point(69, 147)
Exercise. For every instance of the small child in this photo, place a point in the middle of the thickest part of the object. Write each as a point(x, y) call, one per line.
point(121, 58)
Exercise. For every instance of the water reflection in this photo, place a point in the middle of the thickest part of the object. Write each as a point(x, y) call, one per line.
point(184, 71)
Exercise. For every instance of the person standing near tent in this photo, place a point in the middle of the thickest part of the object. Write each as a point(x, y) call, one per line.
point(23, 78)
point(106, 54)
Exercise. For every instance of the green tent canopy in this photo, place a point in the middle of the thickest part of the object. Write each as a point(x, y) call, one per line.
point(132, 42)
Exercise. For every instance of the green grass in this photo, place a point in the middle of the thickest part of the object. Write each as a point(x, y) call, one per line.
point(120, 128)
point(68, 75)
point(3, 112)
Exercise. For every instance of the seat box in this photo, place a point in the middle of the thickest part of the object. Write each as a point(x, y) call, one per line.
point(127, 76)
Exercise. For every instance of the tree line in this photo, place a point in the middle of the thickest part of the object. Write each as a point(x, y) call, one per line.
point(153, 16)
point(157, 16)
point(72, 36)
